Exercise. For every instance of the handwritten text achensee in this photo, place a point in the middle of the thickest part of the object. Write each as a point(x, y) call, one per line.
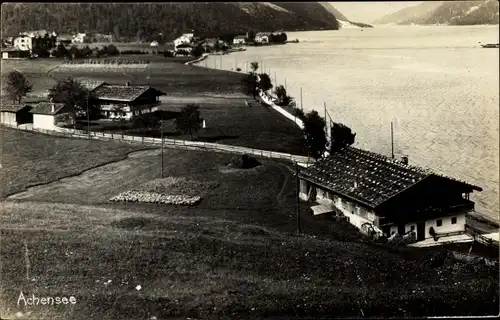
point(50, 301)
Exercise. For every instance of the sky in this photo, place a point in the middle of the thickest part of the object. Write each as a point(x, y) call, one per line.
point(368, 11)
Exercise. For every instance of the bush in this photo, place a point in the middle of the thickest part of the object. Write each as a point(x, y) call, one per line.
point(244, 162)
point(299, 113)
point(133, 52)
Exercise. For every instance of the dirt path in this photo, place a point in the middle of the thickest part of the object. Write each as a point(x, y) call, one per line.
point(97, 185)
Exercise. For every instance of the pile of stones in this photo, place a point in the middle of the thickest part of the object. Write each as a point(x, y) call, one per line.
point(153, 197)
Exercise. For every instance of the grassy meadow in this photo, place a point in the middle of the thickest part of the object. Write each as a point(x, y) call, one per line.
point(233, 256)
point(30, 158)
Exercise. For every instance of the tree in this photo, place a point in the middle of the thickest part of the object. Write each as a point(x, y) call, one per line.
point(283, 97)
point(75, 96)
point(18, 86)
point(254, 66)
point(314, 134)
point(265, 82)
point(250, 36)
point(341, 136)
point(250, 84)
point(189, 120)
point(197, 51)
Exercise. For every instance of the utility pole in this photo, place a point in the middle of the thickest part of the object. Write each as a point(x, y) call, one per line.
point(88, 114)
point(301, 106)
point(298, 199)
point(161, 130)
point(285, 83)
point(275, 81)
point(392, 141)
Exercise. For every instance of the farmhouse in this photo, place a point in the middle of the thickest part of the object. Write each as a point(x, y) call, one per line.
point(239, 39)
point(15, 114)
point(47, 115)
point(387, 195)
point(262, 37)
point(124, 101)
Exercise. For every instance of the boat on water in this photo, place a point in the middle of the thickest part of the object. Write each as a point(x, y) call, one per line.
point(491, 45)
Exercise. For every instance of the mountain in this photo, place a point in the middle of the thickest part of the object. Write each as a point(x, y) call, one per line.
point(146, 20)
point(446, 13)
point(421, 11)
point(343, 21)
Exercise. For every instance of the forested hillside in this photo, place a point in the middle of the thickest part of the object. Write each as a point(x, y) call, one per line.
point(446, 13)
point(165, 20)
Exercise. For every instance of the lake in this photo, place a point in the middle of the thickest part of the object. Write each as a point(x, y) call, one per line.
point(438, 86)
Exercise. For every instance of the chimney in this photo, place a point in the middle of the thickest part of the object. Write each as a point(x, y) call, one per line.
point(404, 160)
point(53, 108)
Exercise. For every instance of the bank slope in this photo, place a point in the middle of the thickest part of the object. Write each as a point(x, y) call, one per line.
point(152, 20)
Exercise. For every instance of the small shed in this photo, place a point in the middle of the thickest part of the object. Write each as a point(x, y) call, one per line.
point(13, 53)
point(15, 114)
point(47, 114)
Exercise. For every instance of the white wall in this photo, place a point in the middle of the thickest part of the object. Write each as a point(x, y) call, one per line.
point(23, 43)
point(43, 121)
point(357, 215)
point(8, 118)
point(446, 225)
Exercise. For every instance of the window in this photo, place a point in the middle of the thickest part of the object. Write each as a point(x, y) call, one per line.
point(453, 220)
point(439, 223)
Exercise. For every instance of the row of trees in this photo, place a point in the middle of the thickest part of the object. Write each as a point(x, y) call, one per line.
point(315, 129)
point(76, 53)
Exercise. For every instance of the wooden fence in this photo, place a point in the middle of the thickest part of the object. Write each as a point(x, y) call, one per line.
point(173, 143)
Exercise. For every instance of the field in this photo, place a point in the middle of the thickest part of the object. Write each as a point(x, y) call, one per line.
point(232, 256)
point(218, 93)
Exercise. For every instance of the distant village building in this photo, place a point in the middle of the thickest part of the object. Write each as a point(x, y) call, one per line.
point(47, 115)
point(186, 48)
point(184, 39)
point(81, 38)
point(15, 114)
point(24, 43)
point(38, 33)
point(387, 195)
point(239, 39)
point(64, 39)
point(262, 37)
point(132, 100)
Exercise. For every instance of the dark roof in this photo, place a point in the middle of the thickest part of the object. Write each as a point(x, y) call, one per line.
point(240, 37)
point(185, 45)
point(91, 85)
point(65, 37)
point(366, 177)
point(123, 93)
point(46, 108)
point(12, 107)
